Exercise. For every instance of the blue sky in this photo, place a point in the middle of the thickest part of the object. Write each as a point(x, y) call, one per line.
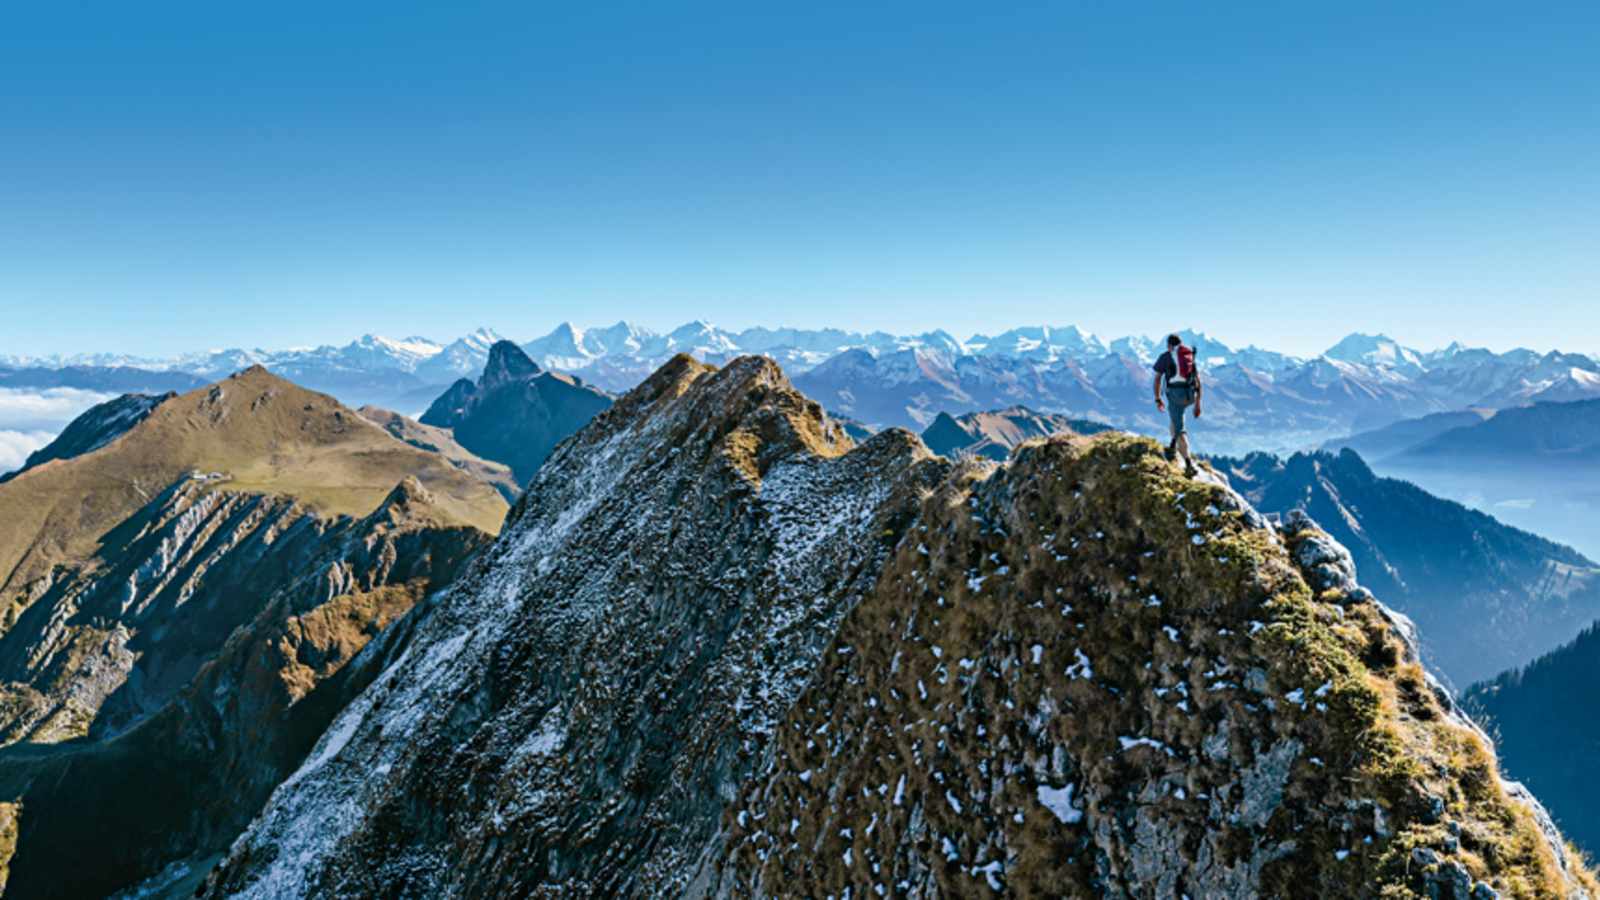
point(185, 175)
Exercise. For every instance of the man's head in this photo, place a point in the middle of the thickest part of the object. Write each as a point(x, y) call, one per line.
point(1173, 341)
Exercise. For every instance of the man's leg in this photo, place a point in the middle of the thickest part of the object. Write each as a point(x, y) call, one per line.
point(1189, 467)
point(1180, 441)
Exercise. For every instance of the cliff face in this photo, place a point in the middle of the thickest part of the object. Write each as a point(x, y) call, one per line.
point(716, 651)
point(211, 728)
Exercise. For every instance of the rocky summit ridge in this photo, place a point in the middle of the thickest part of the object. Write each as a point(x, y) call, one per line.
point(720, 650)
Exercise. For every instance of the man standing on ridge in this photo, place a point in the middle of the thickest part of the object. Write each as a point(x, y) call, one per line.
point(1179, 372)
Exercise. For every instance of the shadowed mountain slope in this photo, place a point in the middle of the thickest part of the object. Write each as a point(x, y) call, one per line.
point(1487, 596)
point(515, 413)
point(1542, 718)
point(1407, 433)
point(1552, 434)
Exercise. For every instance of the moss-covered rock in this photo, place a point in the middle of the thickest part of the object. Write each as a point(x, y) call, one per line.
point(1083, 674)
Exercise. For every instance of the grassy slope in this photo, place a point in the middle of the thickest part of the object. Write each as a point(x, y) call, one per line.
point(265, 433)
point(440, 440)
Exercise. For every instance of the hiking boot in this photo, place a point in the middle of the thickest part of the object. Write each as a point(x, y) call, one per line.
point(1190, 469)
point(1171, 453)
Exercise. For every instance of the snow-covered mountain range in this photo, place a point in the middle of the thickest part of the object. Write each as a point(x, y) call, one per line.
point(1257, 398)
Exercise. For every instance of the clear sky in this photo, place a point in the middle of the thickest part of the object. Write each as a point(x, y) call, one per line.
point(182, 175)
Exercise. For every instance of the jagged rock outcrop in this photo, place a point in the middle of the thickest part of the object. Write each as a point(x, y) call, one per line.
point(516, 413)
point(716, 652)
point(172, 791)
point(100, 647)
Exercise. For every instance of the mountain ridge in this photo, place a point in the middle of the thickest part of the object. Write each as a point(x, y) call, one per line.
point(519, 765)
point(995, 433)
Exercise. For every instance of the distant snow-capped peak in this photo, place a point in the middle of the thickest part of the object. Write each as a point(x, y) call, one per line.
point(1376, 350)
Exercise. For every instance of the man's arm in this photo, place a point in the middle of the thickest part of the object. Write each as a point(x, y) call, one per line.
point(1160, 404)
point(1199, 389)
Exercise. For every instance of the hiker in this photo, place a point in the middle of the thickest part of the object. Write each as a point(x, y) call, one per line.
point(1179, 373)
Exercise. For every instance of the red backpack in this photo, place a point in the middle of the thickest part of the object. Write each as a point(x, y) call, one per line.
point(1185, 359)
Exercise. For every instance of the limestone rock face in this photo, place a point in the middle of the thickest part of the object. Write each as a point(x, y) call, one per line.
point(718, 651)
point(96, 649)
point(189, 745)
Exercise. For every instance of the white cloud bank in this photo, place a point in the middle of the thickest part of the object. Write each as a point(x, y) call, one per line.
point(31, 418)
point(16, 445)
point(46, 409)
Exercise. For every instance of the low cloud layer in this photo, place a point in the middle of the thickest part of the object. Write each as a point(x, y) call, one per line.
point(16, 445)
point(47, 409)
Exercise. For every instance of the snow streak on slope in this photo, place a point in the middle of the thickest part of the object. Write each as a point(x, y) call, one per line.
point(594, 688)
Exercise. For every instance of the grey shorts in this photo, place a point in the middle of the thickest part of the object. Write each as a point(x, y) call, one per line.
point(1178, 399)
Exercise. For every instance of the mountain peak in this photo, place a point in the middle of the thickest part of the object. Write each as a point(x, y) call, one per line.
point(752, 403)
point(507, 363)
point(253, 372)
